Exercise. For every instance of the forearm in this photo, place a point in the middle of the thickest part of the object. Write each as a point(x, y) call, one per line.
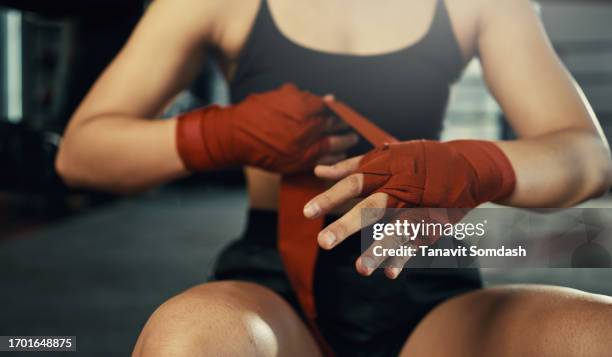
point(120, 154)
point(559, 169)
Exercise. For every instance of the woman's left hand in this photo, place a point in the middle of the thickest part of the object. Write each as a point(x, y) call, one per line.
point(428, 174)
point(349, 187)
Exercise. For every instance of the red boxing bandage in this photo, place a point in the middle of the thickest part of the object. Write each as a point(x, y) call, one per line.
point(418, 173)
point(280, 131)
point(456, 174)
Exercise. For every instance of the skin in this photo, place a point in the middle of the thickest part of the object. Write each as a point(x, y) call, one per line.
point(112, 144)
point(558, 131)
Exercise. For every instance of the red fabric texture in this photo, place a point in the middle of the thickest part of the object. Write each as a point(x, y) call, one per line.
point(297, 241)
point(419, 173)
point(297, 244)
point(268, 130)
point(456, 174)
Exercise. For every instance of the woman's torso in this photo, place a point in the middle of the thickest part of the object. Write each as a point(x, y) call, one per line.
point(400, 79)
point(391, 60)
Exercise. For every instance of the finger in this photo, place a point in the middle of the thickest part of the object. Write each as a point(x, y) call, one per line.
point(337, 124)
point(339, 170)
point(336, 195)
point(331, 159)
point(331, 145)
point(333, 125)
point(395, 265)
point(301, 103)
point(392, 273)
point(311, 104)
point(372, 258)
point(353, 221)
point(340, 143)
point(329, 97)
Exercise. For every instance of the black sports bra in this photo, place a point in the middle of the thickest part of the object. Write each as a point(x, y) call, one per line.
point(405, 92)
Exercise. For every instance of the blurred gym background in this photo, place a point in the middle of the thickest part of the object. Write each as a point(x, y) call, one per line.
point(95, 265)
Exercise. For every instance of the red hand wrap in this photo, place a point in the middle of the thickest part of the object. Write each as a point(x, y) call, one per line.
point(398, 169)
point(457, 174)
point(280, 131)
point(297, 241)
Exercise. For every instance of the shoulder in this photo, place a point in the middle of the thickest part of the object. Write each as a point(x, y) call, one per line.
point(481, 13)
point(235, 25)
point(465, 19)
point(224, 23)
point(217, 21)
point(506, 12)
point(475, 19)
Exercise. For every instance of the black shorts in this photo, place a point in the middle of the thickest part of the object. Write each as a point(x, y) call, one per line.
point(358, 316)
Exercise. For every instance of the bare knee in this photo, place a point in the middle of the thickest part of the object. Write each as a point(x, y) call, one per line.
point(517, 321)
point(553, 321)
point(225, 318)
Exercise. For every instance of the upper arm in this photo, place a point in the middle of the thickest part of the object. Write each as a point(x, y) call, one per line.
point(162, 56)
point(523, 72)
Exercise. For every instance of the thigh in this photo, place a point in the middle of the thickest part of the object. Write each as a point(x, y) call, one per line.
point(516, 320)
point(227, 318)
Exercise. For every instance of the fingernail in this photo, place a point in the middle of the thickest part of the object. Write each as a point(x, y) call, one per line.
point(329, 239)
point(311, 210)
point(368, 264)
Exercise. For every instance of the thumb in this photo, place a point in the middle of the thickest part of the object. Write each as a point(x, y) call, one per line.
point(329, 98)
point(339, 170)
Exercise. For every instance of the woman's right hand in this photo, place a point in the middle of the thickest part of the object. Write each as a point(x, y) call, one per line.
point(283, 131)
